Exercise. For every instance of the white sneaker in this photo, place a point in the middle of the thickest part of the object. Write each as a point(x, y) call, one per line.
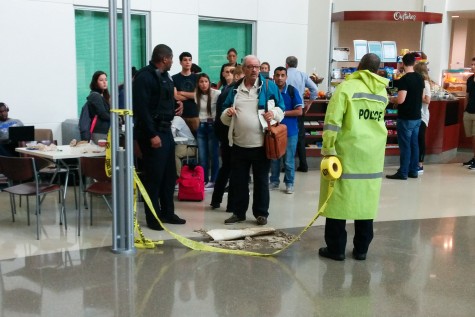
point(209, 186)
point(274, 186)
point(289, 189)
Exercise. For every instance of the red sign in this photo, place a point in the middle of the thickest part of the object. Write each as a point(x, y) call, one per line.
point(398, 16)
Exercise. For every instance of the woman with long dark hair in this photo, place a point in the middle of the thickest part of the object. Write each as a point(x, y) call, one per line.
point(208, 144)
point(422, 69)
point(99, 106)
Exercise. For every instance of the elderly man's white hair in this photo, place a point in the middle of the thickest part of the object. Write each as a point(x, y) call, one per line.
point(244, 61)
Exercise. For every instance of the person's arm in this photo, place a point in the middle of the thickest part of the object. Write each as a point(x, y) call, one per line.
point(142, 95)
point(178, 96)
point(400, 98)
point(296, 112)
point(333, 122)
point(312, 87)
point(278, 110)
point(297, 104)
point(97, 102)
point(426, 97)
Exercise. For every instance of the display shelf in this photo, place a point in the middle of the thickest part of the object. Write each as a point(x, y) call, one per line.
point(314, 121)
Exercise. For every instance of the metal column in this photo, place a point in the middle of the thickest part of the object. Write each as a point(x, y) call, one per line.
point(122, 163)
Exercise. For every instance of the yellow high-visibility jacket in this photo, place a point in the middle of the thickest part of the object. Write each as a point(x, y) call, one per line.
point(355, 132)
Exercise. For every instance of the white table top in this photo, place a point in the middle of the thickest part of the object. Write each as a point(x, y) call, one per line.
point(66, 152)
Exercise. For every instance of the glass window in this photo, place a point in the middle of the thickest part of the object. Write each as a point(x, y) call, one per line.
point(92, 47)
point(216, 38)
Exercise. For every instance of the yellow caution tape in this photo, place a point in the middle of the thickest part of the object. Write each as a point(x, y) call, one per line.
point(108, 166)
point(123, 112)
point(141, 242)
point(333, 171)
point(199, 246)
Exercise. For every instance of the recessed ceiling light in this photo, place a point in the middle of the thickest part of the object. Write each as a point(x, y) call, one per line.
point(455, 16)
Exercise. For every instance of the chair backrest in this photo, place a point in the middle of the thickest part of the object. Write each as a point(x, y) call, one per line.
point(44, 134)
point(94, 167)
point(18, 169)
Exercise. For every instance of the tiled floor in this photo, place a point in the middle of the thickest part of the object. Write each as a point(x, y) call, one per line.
point(419, 264)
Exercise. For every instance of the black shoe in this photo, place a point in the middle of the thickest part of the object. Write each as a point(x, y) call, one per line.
point(326, 254)
point(154, 226)
point(233, 219)
point(359, 256)
point(396, 176)
point(261, 221)
point(215, 205)
point(302, 169)
point(174, 220)
point(413, 175)
point(471, 162)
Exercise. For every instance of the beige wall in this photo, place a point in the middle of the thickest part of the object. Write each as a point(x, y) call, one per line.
point(379, 31)
point(470, 50)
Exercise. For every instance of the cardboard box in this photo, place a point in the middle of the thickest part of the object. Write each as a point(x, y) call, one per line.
point(341, 53)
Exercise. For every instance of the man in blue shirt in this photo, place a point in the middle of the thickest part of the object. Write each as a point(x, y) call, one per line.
point(300, 80)
point(293, 109)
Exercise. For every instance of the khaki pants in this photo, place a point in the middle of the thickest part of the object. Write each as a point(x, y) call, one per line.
point(181, 151)
point(193, 124)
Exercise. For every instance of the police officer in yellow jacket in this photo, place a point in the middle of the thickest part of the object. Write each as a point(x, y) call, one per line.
point(355, 132)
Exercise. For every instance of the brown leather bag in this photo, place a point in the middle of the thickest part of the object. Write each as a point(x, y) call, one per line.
point(275, 137)
point(275, 141)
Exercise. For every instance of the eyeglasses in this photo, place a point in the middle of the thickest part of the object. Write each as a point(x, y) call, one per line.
point(229, 71)
point(253, 67)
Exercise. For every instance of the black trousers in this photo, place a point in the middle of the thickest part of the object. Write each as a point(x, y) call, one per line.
point(159, 175)
point(223, 176)
point(242, 161)
point(422, 141)
point(301, 153)
point(336, 236)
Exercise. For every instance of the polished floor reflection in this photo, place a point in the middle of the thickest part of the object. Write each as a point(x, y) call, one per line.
point(419, 264)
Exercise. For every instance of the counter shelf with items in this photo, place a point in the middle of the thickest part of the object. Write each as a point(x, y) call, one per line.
point(390, 120)
point(314, 121)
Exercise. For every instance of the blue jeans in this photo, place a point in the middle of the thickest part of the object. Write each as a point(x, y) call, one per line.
point(208, 150)
point(407, 137)
point(289, 163)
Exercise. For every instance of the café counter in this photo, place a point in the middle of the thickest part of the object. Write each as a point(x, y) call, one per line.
point(445, 126)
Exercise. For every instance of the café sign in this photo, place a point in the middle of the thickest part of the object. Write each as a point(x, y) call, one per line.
point(403, 16)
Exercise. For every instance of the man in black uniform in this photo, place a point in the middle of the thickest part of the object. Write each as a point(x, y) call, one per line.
point(154, 108)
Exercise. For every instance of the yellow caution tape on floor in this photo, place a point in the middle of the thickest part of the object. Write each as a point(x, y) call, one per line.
point(199, 246)
point(140, 242)
point(144, 243)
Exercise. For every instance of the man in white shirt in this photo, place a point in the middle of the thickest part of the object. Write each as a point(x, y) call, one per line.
point(183, 139)
point(246, 138)
point(300, 80)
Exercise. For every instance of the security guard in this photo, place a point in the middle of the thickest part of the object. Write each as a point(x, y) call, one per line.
point(355, 132)
point(154, 108)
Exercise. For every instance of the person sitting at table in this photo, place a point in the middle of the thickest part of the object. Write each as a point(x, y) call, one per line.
point(182, 147)
point(6, 148)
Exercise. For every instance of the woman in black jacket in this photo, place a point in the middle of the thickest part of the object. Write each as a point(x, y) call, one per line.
point(99, 106)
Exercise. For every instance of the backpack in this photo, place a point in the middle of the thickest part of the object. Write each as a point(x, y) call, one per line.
point(85, 122)
point(291, 91)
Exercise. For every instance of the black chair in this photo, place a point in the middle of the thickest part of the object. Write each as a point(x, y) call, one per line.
point(23, 180)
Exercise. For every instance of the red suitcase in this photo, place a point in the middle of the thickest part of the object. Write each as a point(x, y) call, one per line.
point(191, 186)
